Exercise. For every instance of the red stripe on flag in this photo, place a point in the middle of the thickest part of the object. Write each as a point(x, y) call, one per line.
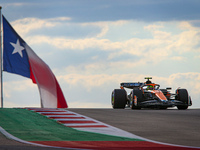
point(61, 103)
point(32, 76)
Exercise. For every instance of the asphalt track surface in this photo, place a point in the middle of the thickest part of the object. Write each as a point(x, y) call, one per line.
point(181, 127)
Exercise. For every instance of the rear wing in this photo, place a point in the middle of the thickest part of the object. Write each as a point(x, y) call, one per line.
point(132, 85)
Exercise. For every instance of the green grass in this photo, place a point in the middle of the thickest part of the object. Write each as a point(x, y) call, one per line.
point(31, 126)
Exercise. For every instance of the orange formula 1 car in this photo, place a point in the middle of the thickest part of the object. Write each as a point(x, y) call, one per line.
point(148, 95)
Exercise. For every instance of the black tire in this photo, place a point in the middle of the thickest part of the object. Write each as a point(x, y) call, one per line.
point(183, 97)
point(138, 94)
point(118, 99)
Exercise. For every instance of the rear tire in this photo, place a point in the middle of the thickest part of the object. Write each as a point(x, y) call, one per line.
point(119, 99)
point(183, 97)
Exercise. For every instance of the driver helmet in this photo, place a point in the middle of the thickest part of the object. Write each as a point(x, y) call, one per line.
point(150, 87)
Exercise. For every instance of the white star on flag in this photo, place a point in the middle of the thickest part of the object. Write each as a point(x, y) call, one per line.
point(18, 48)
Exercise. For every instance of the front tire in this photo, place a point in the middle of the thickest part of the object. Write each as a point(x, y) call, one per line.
point(119, 99)
point(136, 99)
point(184, 98)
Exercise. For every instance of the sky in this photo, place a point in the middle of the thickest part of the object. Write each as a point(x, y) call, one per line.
point(93, 46)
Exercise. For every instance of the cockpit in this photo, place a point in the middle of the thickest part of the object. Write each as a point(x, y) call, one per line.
point(151, 87)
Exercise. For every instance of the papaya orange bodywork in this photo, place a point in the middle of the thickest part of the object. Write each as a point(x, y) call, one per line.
point(159, 94)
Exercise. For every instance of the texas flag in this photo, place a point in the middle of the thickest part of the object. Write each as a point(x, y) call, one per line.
point(20, 59)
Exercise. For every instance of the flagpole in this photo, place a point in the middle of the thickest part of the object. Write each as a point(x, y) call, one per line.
point(1, 52)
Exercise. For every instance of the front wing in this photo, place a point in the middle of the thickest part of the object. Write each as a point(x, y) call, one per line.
point(158, 103)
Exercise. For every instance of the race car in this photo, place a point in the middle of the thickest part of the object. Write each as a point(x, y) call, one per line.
point(149, 95)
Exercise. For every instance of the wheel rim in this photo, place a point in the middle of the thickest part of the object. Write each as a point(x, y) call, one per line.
point(113, 98)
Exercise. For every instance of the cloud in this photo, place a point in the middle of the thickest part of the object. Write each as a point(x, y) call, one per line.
point(197, 57)
point(105, 25)
point(189, 80)
point(78, 44)
point(21, 93)
point(19, 85)
point(178, 58)
point(185, 41)
point(153, 27)
point(154, 50)
point(26, 25)
point(97, 55)
point(10, 104)
point(91, 81)
point(159, 47)
point(15, 4)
